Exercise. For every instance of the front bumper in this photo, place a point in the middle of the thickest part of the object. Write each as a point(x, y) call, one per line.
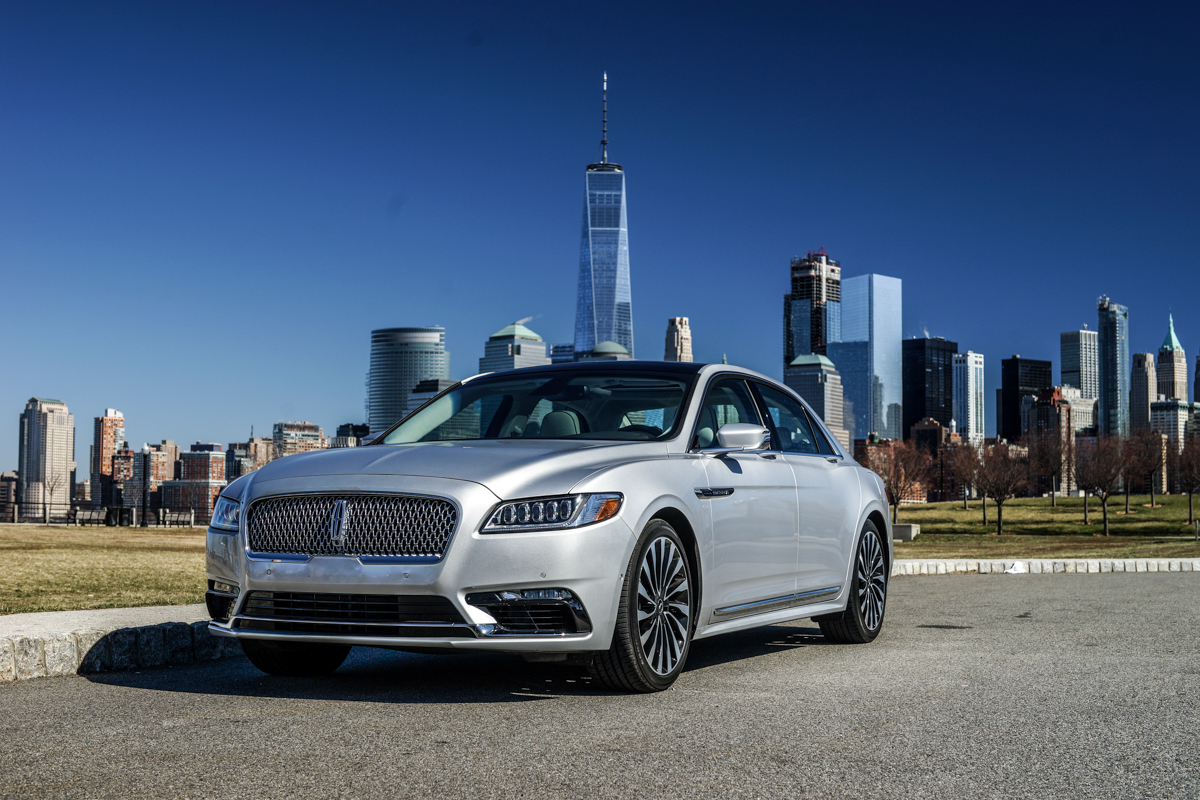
point(587, 562)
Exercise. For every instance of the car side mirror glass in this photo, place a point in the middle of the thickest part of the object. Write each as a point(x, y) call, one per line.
point(743, 436)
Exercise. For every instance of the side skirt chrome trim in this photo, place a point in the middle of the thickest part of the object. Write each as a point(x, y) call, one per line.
point(787, 601)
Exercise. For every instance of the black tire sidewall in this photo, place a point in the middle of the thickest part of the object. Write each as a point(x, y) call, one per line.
point(657, 529)
point(859, 620)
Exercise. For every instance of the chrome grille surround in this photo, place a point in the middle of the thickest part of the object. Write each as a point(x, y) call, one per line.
point(385, 526)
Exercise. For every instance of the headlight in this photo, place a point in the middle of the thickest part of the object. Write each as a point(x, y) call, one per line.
point(552, 513)
point(226, 515)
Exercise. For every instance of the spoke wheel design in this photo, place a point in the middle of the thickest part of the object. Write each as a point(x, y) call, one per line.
point(872, 580)
point(663, 606)
point(862, 619)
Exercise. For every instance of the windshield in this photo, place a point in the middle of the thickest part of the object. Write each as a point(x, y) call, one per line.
point(551, 405)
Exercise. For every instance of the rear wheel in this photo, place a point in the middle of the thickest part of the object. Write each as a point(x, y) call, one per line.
point(654, 620)
point(863, 618)
point(295, 659)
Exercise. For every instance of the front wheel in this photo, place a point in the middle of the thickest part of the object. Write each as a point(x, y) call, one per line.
point(863, 618)
point(654, 620)
point(295, 659)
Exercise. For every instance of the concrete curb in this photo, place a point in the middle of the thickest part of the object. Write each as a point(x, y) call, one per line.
point(31, 647)
point(1042, 566)
point(81, 642)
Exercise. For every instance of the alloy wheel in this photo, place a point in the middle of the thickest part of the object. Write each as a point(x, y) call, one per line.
point(664, 606)
point(872, 580)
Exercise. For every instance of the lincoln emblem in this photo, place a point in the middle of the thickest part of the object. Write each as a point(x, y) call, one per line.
point(337, 524)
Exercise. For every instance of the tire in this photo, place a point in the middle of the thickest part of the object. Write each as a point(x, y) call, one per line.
point(655, 618)
point(863, 618)
point(295, 659)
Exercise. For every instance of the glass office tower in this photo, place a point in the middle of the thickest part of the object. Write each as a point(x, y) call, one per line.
point(604, 304)
point(871, 312)
point(1114, 368)
point(400, 359)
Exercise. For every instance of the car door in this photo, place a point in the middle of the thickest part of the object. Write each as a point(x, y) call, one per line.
point(752, 501)
point(828, 492)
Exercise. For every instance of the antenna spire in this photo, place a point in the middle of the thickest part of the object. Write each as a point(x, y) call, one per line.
point(604, 134)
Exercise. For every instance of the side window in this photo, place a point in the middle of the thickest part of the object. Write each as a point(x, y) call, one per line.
point(728, 400)
point(791, 423)
point(827, 449)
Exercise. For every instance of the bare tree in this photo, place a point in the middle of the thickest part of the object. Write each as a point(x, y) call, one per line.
point(903, 466)
point(1149, 454)
point(1001, 475)
point(963, 463)
point(1099, 468)
point(54, 481)
point(1187, 472)
point(1048, 458)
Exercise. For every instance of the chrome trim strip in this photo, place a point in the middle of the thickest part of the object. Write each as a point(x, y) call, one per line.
point(384, 623)
point(706, 493)
point(761, 606)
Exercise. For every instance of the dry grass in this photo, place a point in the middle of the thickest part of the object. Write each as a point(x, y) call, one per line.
point(1035, 529)
point(66, 568)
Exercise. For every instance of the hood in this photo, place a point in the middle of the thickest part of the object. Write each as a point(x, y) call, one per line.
point(509, 468)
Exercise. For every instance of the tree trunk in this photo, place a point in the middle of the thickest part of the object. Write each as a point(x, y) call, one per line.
point(1087, 520)
point(1104, 502)
point(895, 511)
point(1126, 507)
point(1152, 493)
point(964, 500)
point(1054, 492)
point(999, 517)
point(984, 498)
point(1191, 516)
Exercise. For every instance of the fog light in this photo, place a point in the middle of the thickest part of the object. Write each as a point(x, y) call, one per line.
point(227, 588)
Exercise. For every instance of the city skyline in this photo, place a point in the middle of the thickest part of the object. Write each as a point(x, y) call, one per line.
point(165, 180)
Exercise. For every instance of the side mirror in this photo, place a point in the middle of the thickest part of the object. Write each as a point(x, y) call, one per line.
point(369, 438)
point(737, 437)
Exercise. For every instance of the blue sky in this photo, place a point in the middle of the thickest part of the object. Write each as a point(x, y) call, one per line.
point(206, 207)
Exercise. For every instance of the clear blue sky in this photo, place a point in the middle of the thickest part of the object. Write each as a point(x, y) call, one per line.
point(206, 207)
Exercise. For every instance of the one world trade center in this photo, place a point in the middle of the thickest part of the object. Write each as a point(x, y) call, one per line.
point(604, 307)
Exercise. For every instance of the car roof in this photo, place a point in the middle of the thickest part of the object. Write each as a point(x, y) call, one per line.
point(680, 367)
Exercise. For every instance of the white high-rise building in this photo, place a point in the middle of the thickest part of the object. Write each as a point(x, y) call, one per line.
point(1079, 352)
point(46, 457)
point(968, 396)
point(1083, 409)
point(679, 340)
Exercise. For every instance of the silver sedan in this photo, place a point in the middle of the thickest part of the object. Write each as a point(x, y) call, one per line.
point(604, 514)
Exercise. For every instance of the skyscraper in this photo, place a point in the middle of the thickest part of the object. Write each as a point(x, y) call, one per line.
point(604, 304)
point(1114, 368)
point(108, 436)
point(1172, 366)
point(1022, 380)
point(679, 340)
point(812, 309)
point(869, 356)
point(45, 457)
point(928, 370)
point(969, 404)
point(512, 347)
point(1079, 362)
point(400, 357)
point(815, 378)
point(1143, 390)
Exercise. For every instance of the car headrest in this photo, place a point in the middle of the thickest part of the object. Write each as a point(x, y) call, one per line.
point(706, 433)
point(560, 423)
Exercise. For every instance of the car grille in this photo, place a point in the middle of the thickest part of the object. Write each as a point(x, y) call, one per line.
point(380, 615)
point(372, 525)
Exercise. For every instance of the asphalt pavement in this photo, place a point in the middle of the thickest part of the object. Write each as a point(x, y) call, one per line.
point(1039, 686)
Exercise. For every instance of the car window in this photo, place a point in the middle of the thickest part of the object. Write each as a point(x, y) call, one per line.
point(791, 423)
point(728, 400)
point(563, 404)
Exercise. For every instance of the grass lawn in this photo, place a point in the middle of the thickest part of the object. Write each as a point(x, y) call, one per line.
point(57, 568)
point(1034, 529)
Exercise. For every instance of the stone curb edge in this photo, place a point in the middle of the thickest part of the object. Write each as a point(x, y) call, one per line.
point(91, 651)
point(1042, 566)
point(178, 643)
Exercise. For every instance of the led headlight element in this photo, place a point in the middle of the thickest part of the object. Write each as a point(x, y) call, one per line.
point(552, 513)
point(226, 515)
